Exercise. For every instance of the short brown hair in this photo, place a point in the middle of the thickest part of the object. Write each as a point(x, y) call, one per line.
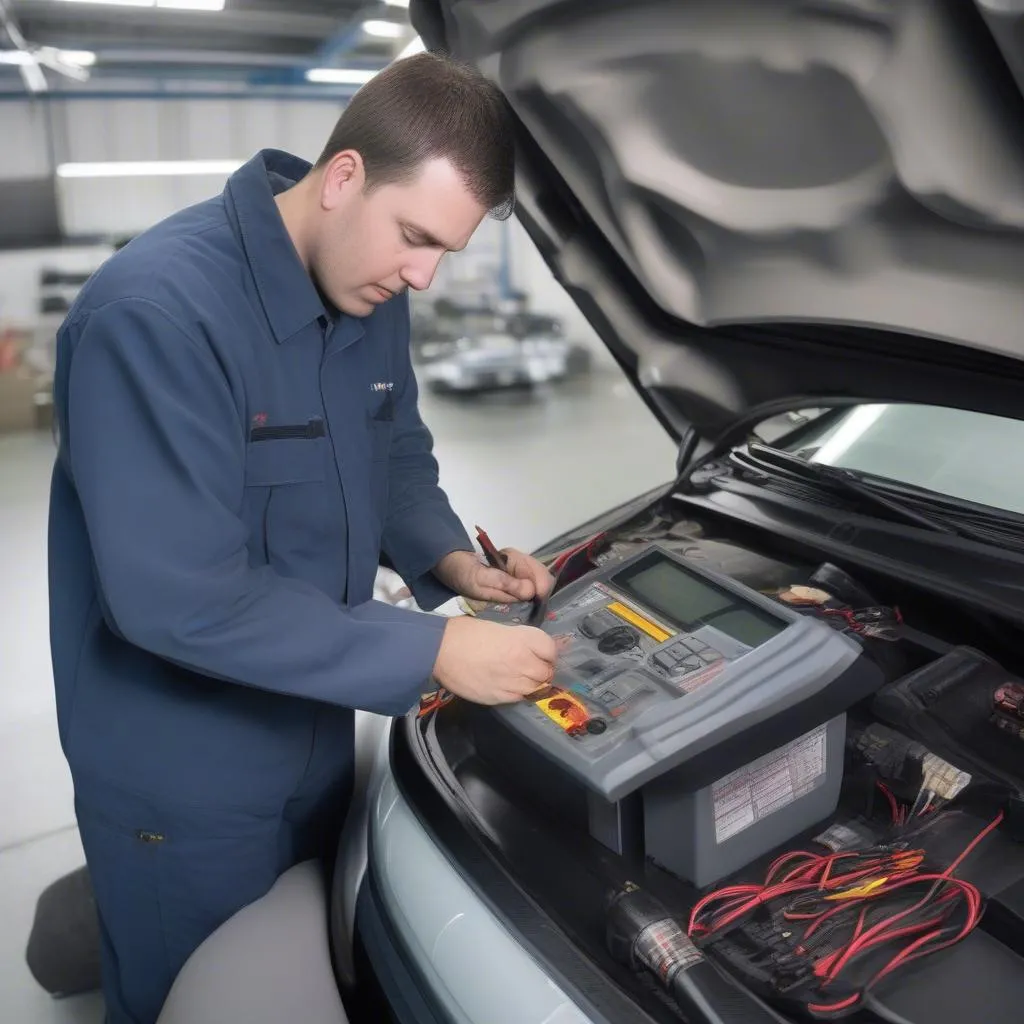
point(429, 107)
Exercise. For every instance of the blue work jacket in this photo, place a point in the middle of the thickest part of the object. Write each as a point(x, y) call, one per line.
point(233, 461)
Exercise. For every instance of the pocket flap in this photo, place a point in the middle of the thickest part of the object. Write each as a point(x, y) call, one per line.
point(282, 461)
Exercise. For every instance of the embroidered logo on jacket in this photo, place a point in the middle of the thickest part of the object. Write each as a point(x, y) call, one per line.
point(383, 385)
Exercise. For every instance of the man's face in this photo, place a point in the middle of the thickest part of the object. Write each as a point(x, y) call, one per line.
point(370, 246)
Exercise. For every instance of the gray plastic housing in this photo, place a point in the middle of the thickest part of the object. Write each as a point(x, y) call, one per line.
point(681, 828)
point(759, 699)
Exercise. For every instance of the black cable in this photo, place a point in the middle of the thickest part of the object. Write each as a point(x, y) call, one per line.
point(643, 935)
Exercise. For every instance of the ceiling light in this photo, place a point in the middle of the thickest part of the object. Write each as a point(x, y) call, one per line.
point(397, 3)
point(339, 76)
point(81, 58)
point(192, 5)
point(416, 46)
point(384, 29)
point(181, 5)
point(114, 3)
point(147, 168)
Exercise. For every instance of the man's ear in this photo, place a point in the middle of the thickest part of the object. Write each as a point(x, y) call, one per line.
point(343, 176)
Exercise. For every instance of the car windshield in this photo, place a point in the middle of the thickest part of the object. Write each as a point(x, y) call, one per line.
point(965, 455)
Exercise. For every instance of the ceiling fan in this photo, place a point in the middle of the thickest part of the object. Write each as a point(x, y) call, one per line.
point(30, 60)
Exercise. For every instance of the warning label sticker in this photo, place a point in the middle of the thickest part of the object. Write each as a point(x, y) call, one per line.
point(768, 784)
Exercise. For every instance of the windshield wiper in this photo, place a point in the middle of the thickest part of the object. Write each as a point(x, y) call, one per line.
point(780, 465)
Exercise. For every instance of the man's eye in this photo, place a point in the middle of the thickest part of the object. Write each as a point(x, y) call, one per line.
point(411, 240)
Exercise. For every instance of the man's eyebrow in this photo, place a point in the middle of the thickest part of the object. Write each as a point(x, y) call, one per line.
point(428, 237)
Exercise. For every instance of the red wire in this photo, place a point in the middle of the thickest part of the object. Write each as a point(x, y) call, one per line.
point(822, 918)
point(564, 557)
point(833, 1007)
point(866, 940)
point(811, 873)
point(996, 821)
point(973, 899)
point(892, 801)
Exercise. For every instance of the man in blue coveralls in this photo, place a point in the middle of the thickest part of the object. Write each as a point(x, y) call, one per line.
point(240, 443)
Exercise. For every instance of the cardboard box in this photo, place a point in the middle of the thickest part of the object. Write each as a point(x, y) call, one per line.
point(17, 402)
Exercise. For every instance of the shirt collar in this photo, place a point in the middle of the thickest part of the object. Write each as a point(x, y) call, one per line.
point(287, 293)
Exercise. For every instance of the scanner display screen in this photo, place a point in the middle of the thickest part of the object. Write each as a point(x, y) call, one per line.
point(690, 602)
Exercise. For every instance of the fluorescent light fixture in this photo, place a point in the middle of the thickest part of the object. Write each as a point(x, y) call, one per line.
point(80, 58)
point(397, 3)
point(113, 3)
point(384, 29)
point(192, 5)
point(339, 76)
point(180, 5)
point(20, 58)
point(147, 168)
point(416, 46)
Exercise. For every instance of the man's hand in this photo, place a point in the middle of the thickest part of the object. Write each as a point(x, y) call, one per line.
point(489, 663)
point(522, 579)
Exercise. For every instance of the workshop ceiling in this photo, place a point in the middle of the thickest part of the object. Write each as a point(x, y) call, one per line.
point(259, 43)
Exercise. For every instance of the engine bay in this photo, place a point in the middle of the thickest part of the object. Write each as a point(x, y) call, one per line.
point(760, 787)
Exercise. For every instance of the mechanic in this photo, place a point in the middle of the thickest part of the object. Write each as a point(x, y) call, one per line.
point(239, 446)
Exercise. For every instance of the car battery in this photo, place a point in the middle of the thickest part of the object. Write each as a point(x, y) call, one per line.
point(705, 834)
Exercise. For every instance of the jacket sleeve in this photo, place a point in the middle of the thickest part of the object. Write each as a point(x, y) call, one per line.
point(154, 443)
point(421, 527)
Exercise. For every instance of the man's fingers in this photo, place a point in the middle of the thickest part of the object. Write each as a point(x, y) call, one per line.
point(537, 672)
point(526, 567)
point(497, 596)
point(543, 646)
point(497, 581)
point(511, 696)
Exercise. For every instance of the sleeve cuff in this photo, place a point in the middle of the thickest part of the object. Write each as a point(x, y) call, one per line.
point(417, 539)
point(414, 652)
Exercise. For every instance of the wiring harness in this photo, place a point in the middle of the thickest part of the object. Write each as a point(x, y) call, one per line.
point(828, 927)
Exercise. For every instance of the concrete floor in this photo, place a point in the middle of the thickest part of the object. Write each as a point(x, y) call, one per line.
point(525, 467)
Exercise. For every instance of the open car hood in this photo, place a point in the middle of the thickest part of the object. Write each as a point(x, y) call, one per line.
point(760, 206)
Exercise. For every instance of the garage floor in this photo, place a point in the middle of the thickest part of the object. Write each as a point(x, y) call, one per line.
point(523, 467)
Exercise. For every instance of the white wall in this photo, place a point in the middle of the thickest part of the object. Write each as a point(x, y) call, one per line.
point(19, 277)
point(38, 135)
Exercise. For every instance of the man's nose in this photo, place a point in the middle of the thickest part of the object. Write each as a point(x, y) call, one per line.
point(420, 270)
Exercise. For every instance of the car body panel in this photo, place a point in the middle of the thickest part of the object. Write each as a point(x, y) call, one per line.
point(457, 945)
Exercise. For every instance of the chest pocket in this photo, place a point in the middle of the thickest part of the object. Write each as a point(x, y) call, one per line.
point(294, 515)
point(279, 462)
point(381, 425)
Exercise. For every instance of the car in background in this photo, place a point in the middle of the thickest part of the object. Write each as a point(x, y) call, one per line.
point(470, 349)
point(492, 361)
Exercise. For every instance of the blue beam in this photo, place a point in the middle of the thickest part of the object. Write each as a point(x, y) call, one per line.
point(346, 36)
point(342, 42)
